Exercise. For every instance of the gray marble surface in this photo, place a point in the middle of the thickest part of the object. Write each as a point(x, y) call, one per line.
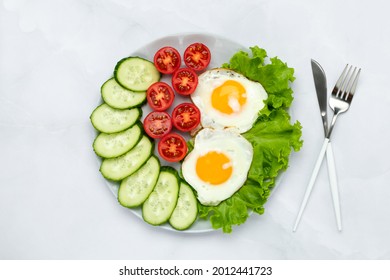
point(54, 55)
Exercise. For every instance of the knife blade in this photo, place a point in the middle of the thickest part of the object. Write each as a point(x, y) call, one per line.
point(321, 90)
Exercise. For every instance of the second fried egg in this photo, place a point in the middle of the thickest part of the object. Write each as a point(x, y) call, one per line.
point(218, 165)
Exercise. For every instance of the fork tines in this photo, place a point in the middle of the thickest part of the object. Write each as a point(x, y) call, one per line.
point(346, 84)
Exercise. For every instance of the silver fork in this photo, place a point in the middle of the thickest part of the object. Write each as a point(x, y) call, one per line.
point(340, 102)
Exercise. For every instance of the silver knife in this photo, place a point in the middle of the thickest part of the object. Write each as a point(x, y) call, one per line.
point(321, 89)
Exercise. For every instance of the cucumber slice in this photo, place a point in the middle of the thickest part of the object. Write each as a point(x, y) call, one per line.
point(116, 144)
point(159, 206)
point(136, 73)
point(109, 120)
point(120, 98)
point(135, 189)
point(186, 210)
point(120, 167)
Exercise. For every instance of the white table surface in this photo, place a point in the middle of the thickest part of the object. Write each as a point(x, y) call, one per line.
point(54, 55)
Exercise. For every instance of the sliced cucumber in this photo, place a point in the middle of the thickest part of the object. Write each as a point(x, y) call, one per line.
point(115, 144)
point(159, 206)
point(135, 189)
point(120, 98)
point(109, 120)
point(136, 74)
point(120, 167)
point(186, 210)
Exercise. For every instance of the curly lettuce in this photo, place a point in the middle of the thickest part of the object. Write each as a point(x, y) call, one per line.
point(272, 136)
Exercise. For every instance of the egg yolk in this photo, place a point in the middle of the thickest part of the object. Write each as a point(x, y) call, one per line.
point(214, 168)
point(228, 97)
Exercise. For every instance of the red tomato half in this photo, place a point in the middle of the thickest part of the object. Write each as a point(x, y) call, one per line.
point(157, 124)
point(197, 56)
point(167, 60)
point(172, 147)
point(160, 96)
point(186, 117)
point(184, 81)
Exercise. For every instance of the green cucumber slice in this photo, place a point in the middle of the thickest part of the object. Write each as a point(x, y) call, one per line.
point(110, 145)
point(110, 120)
point(136, 73)
point(136, 188)
point(186, 210)
point(120, 167)
point(120, 98)
point(161, 202)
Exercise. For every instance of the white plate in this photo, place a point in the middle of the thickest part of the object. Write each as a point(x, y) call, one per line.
point(221, 50)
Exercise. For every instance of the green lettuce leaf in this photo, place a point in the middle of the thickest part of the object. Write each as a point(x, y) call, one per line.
point(272, 136)
point(275, 76)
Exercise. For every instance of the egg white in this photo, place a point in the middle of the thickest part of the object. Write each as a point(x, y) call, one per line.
point(231, 144)
point(243, 117)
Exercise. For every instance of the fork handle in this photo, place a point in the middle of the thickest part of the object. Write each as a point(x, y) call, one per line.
point(313, 178)
point(333, 184)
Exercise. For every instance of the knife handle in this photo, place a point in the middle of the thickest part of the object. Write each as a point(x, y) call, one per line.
point(311, 182)
point(333, 184)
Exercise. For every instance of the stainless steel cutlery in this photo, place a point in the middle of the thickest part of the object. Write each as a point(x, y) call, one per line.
point(340, 101)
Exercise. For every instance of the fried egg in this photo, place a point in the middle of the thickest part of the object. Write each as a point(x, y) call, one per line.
point(218, 165)
point(228, 99)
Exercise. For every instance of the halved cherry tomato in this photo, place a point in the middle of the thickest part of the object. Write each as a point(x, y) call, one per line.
point(197, 56)
point(167, 60)
point(186, 117)
point(172, 147)
point(157, 124)
point(160, 96)
point(184, 81)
